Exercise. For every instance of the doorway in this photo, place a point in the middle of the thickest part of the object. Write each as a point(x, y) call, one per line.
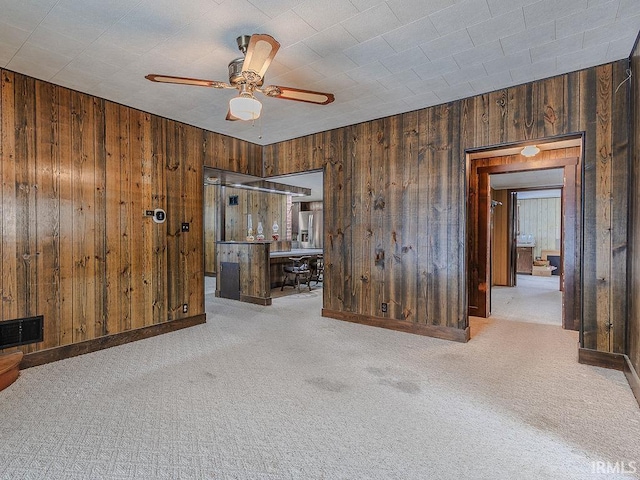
point(526, 239)
point(560, 154)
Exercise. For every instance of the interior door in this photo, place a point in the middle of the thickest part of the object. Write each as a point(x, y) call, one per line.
point(484, 252)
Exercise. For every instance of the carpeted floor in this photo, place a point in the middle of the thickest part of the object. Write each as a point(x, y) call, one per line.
point(282, 393)
point(534, 299)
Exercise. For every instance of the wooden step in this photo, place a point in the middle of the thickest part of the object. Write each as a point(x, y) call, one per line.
point(9, 368)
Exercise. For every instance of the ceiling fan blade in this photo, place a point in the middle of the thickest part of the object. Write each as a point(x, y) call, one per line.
point(261, 50)
point(187, 81)
point(297, 94)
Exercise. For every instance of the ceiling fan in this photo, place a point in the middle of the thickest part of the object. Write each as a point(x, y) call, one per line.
point(246, 74)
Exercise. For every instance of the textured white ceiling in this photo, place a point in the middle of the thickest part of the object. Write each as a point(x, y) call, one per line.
point(378, 58)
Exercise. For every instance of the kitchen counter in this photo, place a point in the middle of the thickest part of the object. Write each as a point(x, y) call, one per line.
point(297, 252)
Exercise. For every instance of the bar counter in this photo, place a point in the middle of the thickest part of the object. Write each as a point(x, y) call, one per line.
point(247, 271)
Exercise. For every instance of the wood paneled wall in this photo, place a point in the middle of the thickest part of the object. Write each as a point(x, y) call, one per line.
point(262, 206)
point(633, 350)
point(541, 217)
point(211, 228)
point(396, 193)
point(77, 173)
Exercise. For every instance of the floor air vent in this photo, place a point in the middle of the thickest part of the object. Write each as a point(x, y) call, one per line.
point(21, 331)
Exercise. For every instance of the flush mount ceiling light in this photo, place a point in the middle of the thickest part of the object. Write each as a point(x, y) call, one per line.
point(530, 151)
point(245, 107)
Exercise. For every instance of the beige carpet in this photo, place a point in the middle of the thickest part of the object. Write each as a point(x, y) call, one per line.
point(281, 393)
point(533, 299)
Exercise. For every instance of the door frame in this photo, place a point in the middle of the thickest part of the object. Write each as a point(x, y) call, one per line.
point(478, 241)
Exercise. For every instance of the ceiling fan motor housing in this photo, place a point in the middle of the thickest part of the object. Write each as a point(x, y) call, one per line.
point(235, 74)
point(235, 71)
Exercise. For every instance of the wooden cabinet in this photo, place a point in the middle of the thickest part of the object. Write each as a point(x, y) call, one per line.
point(525, 260)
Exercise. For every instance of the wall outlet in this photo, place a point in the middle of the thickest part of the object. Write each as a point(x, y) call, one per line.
point(185, 227)
point(185, 307)
point(384, 307)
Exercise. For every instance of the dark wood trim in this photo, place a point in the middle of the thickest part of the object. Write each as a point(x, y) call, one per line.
point(248, 299)
point(483, 305)
point(487, 150)
point(67, 351)
point(436, 331)
point(569, 235)
point(632, 378)
point(531, 165)
point(478, 220)
point(255, 300)
point(614, 361)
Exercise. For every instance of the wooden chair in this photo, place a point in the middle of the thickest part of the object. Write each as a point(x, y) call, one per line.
point(317, 268)
point(297, 272)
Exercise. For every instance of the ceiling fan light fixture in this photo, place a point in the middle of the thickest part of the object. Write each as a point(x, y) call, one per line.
point(245, 107)
point(530, 151)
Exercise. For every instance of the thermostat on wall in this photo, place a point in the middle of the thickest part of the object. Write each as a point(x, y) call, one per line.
point(159, 215)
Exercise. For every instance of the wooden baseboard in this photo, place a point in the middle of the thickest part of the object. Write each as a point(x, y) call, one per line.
point(255, 300)
point(248, 299)
point(436, 331)
point(615, 361)
point(67, 351)
point(632, 378)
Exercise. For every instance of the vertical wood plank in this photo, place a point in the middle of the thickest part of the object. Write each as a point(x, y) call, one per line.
point(67, 246)
point(408, 220)
point(552, 107)
point(48, 210)
point(137, 221)
point(83, 217)
point(425, 153)
point(147, 224)
point(455, 221)
point(9, 204)
point(175, 262)
point(100, 202)
point(25, 197)
point(194, 186)
point(159, 199)
point(620, 172)
point(126, 220)
point(112, 215)
point(603, 207)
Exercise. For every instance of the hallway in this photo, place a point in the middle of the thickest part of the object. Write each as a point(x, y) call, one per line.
point(535, 299)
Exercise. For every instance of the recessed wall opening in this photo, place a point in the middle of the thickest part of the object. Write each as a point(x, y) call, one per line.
point(278, 220)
